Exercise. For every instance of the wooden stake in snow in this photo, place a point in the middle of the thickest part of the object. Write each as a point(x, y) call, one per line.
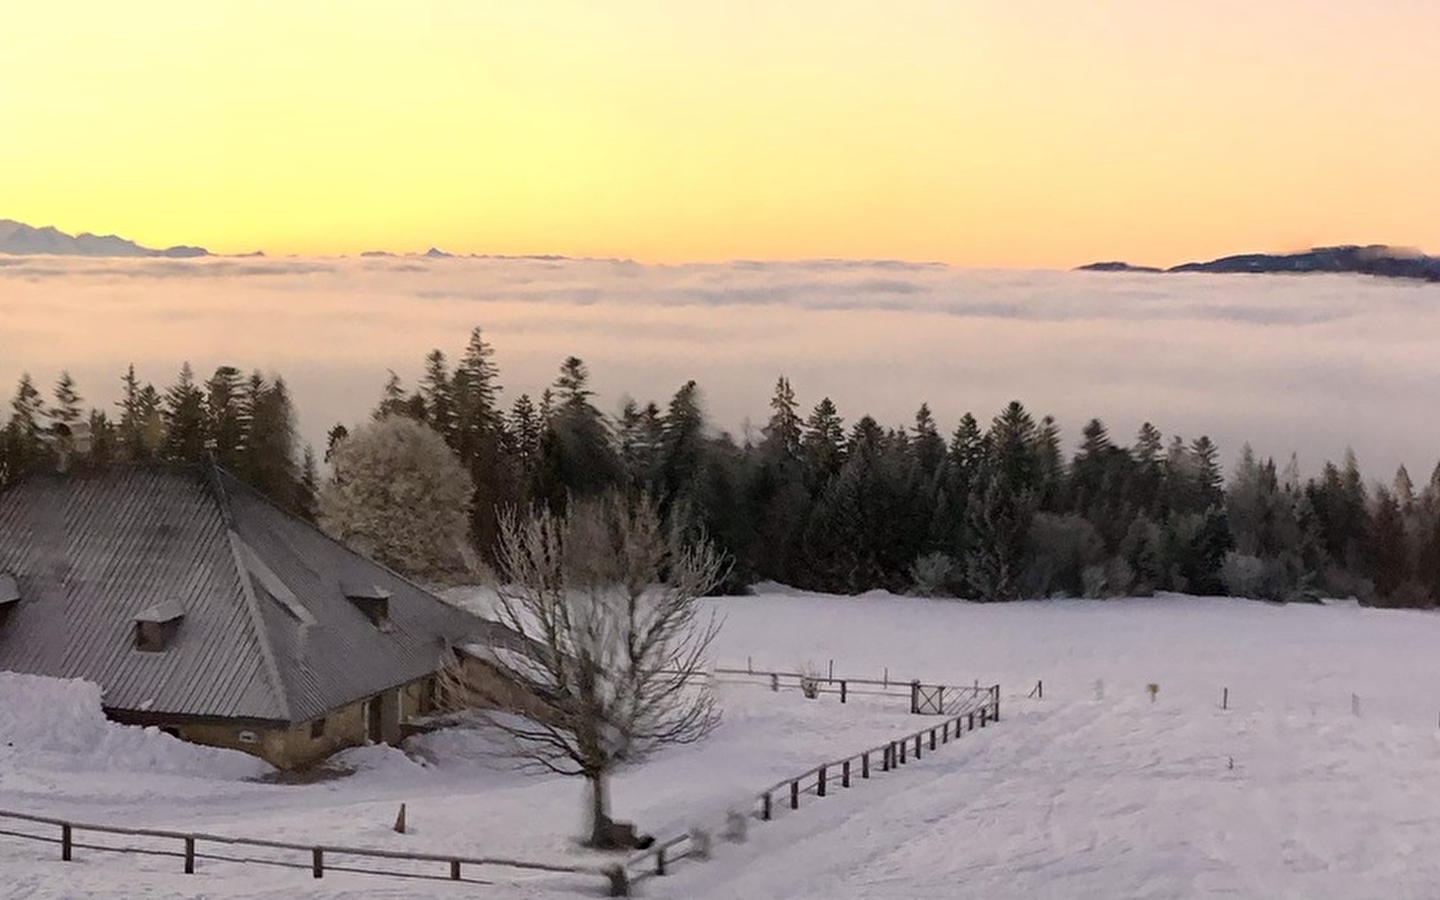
point(1154, 689)
point(400, 820)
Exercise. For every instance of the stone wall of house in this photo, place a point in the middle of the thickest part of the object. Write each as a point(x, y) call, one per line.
point(486, 681)
point(307, 743)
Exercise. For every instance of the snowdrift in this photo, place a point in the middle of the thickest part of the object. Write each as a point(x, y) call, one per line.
point(57, 724)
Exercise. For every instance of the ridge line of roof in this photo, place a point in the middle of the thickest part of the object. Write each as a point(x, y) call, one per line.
point(430, 595)
point(252, 605)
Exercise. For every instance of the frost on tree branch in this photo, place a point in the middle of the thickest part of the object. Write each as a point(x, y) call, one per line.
point(610, 659)
point(397, 494)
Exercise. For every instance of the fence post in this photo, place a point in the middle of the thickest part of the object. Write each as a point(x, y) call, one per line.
point(765, 807)
point(983, 711)
point(845, 774)
point(832, 670)
point(842, 690)
point(932, 739)
point(972, 722)
point(795, 794)
point(865, 765)
point(65, 843)
point(454, 870)
point(917, 746)
point(774, 682)
point(619, 881)
point(190, 855)
point(317, 862)
point(996, 717)
point(820, 783)
point(660, 861)
point(902, 752)
point(945, 732)
point(914, 697)
point(1225, 699)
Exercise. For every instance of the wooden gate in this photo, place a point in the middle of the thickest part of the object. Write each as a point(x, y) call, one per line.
point(927, 699)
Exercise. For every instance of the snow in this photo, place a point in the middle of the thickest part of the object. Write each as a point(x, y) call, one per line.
point(1092, 791)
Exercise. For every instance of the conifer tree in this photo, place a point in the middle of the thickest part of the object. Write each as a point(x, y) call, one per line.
point(184, 417)
point(782, 431)
point(823, 444)
point(439, 400)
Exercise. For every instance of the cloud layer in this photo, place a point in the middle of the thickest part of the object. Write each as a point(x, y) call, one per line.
point(1309, 364)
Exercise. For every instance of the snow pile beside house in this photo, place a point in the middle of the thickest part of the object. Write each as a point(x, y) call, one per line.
point(57, 724)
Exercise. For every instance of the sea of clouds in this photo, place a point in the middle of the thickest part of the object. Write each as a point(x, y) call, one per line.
point(1308, 364)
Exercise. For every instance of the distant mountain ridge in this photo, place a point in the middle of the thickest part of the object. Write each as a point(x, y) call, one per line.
point(1373, 259)
point(19, 239)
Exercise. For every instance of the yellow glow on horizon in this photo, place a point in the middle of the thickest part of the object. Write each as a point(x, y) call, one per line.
point(1040, 132)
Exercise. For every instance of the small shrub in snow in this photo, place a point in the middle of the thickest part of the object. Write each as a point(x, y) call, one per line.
point(1094, 582)
point(700, 843)
point(931, 575)
point(736, 823)
point(809, 681)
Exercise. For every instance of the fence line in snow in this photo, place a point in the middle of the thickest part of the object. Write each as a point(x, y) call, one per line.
point(818, 780)
point(317, 858)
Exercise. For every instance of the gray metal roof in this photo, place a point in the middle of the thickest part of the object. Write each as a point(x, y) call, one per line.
point(268, 632)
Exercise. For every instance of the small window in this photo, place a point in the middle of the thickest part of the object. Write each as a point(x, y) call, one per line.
point(317, 728)
point(149, 636)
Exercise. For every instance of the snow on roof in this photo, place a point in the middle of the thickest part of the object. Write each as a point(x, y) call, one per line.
point(166, 611)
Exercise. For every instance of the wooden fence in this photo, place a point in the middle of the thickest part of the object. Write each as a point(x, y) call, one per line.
point(819, 780)
point(924, 698)
point(318, 859)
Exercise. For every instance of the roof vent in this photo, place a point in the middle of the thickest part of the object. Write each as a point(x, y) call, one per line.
point(156, 626)
point(371, 599)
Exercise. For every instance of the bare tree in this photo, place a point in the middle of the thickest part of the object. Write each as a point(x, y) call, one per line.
point(612, 642)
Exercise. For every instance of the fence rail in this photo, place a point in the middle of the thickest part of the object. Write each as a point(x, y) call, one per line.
point(817, 780)
point(318, 858)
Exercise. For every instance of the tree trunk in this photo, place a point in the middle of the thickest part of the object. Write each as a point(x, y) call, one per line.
point(600, 836)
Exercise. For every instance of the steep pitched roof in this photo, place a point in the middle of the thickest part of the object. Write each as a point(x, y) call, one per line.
point(267, 631)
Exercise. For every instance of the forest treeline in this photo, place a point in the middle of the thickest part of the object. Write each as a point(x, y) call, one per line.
point(988, 510)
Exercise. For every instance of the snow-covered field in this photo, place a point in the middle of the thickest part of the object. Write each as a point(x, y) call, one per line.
point(1094, 791)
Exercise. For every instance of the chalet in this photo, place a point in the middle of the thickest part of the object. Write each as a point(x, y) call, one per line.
point(200, 608)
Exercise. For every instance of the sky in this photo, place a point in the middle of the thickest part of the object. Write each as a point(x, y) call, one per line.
point(1024, 133)
point(1298, 364)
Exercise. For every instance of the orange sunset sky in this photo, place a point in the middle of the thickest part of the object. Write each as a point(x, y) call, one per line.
point(997, 133)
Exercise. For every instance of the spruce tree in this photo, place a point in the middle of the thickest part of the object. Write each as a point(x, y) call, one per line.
point(439, 400)
point(184, 416)
point(782, 431)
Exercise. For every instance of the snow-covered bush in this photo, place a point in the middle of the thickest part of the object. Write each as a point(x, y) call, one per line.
point(1243, 575)
point(932, 574)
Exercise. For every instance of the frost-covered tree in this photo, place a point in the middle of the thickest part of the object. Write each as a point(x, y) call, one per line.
point(604, 598)
point(397, 493)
